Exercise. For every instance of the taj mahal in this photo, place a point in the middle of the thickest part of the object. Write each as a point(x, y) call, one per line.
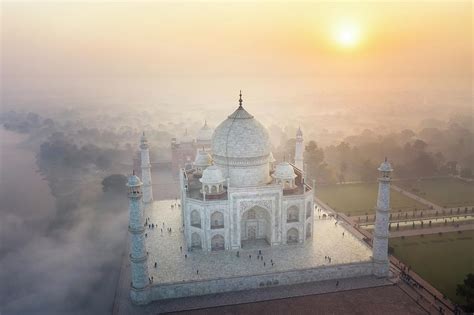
point(243, 222)
point(236, 198)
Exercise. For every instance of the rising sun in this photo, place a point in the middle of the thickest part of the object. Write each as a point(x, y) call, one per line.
point(347, 35)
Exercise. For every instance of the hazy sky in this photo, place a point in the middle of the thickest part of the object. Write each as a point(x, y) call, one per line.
point(295, 58)
point(61, 38)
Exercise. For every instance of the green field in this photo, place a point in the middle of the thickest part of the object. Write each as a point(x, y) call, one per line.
point(449, 192)
point(357, 199)
point(443, 260)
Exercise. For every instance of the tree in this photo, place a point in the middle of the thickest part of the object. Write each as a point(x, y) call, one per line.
point(313, 157)
point(324, 174)
point(466, 291)
point(368, 171)
point(466, 172)
point(424, 165)
point(419, 145)
point(452, 167)
point(114, 183)
point(289, 150)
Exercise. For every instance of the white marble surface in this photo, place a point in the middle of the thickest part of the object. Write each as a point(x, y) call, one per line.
point(172, 266)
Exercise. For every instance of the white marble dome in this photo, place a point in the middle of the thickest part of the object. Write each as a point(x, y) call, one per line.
point(241, 148)
point(241, 136)
point(203, 159)
point(212, 175)
point(284, 171)
point(205, 133)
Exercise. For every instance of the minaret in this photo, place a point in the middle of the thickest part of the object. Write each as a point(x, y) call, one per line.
point(146, 170)
point(299, 149)
point(380, 241)
point(138, 254)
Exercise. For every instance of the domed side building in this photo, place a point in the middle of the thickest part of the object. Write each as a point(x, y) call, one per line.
point(240, 200)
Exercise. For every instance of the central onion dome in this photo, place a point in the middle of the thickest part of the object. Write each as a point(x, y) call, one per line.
point(241, 148)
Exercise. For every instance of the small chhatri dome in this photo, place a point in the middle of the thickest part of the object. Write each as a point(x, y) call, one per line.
point(134, 181)
point(203, 159)
point(205, 133)
point(284, 171)
point(212, 175)
point(385, 166)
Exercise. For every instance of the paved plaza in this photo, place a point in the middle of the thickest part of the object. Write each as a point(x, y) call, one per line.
point(172, 265)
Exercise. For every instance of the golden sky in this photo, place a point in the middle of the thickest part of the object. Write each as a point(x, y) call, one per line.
point(422, 38)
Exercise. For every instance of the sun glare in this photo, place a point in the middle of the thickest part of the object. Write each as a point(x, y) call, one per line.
point(347, 35)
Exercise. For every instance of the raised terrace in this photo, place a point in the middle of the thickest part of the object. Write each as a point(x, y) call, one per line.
point(173, 267)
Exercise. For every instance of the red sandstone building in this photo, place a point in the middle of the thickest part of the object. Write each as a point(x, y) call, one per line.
point(184, 149)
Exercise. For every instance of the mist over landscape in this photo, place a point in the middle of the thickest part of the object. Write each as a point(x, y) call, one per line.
point(71, 120)
point(60, 223)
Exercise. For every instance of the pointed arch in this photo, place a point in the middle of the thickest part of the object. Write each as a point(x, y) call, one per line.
point(217, 242)
point(293, 214)
point(217, 220)
point(292, 236)
point(196, 242)
point(196, 219)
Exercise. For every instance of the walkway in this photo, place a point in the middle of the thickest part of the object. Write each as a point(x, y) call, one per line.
point(420, 290)
point(416, 287)
point(412, 215)
point(433, 230)
point(416, 197)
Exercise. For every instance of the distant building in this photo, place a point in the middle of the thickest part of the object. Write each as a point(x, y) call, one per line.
point(184, 149)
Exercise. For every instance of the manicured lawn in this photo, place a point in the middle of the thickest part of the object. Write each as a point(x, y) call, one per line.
point(357, 199)
point(443, 260)
point(449, 192)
